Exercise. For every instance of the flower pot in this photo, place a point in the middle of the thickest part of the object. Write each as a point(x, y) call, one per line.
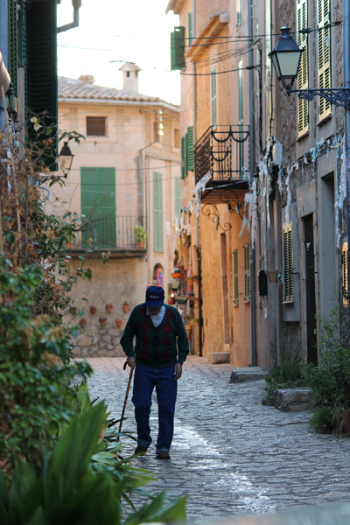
point(73, 310)
point(118, 322)
point(103, 321)
point(181, 300)
point(93, 310)
point(82, 322)
point(272, 275)
point(141, 244)
point(68, 245)
point(109, 308)
point(188, 330)
point(126, 307)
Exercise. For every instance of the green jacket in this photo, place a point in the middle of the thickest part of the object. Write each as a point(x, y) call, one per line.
point(155, 347)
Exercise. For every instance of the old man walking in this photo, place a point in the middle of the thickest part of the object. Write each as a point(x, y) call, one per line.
point(160, 351)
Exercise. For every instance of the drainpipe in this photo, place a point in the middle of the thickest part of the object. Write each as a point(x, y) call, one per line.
point(76, 6)
point(199, 257)
point(3, 48)
point(251, 175)
point(346, 59)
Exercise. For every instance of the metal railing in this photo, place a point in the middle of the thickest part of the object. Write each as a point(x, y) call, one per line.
point(111, 233)
point(223, 152)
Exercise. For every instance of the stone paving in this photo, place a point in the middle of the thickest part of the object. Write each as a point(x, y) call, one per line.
point(231, 455)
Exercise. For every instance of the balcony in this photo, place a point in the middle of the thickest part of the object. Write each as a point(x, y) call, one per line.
point(222, 163)
point(114, 234)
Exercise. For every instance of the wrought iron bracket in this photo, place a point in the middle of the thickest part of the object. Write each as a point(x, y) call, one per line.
point(210, 210)
point(337, 96)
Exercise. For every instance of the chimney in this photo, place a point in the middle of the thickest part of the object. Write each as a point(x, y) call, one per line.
point(130, 77)
point(87, 78)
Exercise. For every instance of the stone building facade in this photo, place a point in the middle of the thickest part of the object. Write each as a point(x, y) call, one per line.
point(125, 180)
point(296, 188)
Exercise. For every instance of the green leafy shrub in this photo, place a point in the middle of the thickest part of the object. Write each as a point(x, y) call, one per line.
point(285, 375)
point(35, 373)
point(330, 380)
point(67, 490)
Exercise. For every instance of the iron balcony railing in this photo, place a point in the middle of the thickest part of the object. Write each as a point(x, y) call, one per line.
point(109, 233)
point(223, 152)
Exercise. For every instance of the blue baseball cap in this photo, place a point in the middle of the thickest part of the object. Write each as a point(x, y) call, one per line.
point(154, 296)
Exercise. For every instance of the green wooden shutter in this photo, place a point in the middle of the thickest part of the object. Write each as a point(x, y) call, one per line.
point(12, 43)
point(246, 272)
point(184, 156)
point(235, 276)
point(240, 119)
point(189, 149)
point(98, 205)
point(158, 212)
point(324, 53)
point(238, 11)
point(190, 29)
point(178, 196)
point(345, 275)
point(42, 71)
point(303, 74)
point(177, 48)
point(213, 98)
point(288, 263)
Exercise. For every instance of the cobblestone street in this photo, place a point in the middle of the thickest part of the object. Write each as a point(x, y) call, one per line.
point(230, 454)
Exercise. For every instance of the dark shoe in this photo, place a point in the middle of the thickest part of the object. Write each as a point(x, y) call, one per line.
point(163, 454)
point(140, 449)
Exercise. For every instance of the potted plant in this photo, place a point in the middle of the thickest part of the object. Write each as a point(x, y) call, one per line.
point(141, 236)
point(103, 321)
point(82, 322)
point(118, 323)
point(73, 310)
point(126, 307)
point(109, 308)
point(181, 299)
point(93, 310)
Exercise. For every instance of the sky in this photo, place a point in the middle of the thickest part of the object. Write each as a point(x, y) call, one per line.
point(111, 32)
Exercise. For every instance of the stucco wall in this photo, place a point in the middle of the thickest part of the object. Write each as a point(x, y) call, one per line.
point(115, 282)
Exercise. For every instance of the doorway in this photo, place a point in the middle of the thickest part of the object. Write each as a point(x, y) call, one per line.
point(310, 290)
point(225, 286)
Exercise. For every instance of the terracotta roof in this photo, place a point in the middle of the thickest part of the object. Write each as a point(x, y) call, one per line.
point(69, 88)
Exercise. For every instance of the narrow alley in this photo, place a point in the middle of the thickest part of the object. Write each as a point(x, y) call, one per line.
point(231, 455)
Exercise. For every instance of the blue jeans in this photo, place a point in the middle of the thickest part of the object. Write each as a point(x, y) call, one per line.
point(146, 378)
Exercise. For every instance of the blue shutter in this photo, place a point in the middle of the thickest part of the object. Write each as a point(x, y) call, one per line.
point(158, 212)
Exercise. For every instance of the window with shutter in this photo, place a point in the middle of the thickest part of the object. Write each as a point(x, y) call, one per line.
point(303, 73)
point(345, 275)
point(158, 212)
point(288, 263)
point(12, 44)
point(177, 48)
point(246, 249)
point(235, 277)
point(184, 157)
point(240, 119)
point(98, 206)
point(213, 98)
point(189, 149)
point(96, 126)
point(178, 196)
point(238, 11)
point(190, 29)
point(324, 53)
point(42, 71)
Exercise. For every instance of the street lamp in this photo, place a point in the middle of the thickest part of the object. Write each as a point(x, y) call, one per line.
point(66, 158)
point(286, 60)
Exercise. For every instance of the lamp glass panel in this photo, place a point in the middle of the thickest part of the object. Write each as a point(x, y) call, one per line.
point(66, 161)
point(276, 64)
point(289, 63)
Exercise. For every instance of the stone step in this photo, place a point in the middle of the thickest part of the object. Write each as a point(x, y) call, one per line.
point(292, 399)
point(219, 358)
point(249, 373)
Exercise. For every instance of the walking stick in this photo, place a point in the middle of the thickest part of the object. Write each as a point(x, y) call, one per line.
point(126, 395)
